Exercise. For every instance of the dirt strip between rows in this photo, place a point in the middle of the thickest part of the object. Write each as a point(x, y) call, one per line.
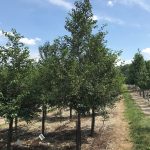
point(115, 134)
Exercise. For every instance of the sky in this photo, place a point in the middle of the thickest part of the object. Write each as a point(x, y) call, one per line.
point(39, 21)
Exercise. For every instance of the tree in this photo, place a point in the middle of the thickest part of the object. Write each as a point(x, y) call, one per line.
point(140, 74)
point(45, 79)
point(14, 70)
point(102, 76)
point(148, 72)
point(53, 79)
point(80, 24)
point(95, 70)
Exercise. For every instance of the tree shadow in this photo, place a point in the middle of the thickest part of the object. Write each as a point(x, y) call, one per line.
point(53, 119)
point(60, 139)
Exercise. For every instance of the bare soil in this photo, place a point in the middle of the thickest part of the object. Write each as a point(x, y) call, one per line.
point(120, 139)
point(60, 132)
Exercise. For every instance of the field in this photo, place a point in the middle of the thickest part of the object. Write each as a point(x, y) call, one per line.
point(60, 132)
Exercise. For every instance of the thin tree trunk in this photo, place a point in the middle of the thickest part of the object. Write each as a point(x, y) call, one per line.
point(78, 132)
point(60, 114)
point(70, 112)
point(16, 127)
point(10, 132)
point(147, 95)
point(143, 94)
point(140, 93)
point(43, 118)
point(93, 121)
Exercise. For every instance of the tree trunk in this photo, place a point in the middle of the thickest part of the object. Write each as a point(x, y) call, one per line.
point(60, 114)
point(70, 112)
point(43, 118)
point(93, 121)
point(140, 93)
point(143, 94)
point(78, 132)
point(10, 132)
point(16, 127)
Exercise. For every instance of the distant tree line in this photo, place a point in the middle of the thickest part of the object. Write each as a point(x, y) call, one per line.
point(138, 73)
point(77, 72)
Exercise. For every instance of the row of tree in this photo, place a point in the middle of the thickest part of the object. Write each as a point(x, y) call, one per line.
point(76, 71)
point(138, 73)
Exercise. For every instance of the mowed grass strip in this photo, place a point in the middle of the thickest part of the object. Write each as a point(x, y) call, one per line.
point(139, 124)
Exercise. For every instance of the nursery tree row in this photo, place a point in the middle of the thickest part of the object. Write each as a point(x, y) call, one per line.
point(138, 73)
point(75, 71)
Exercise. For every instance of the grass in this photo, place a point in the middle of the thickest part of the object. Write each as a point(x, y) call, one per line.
point(139, 124)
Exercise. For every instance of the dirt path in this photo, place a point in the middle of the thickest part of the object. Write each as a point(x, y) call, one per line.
point(120, 137)
point(2, 121)
point(116, 131)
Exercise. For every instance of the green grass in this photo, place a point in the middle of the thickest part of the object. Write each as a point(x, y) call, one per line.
point(139, 124)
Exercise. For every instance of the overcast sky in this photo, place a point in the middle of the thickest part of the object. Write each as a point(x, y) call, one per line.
point(43, 20)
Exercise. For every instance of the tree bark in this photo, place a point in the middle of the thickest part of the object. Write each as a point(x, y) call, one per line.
point(10, 132)
point(140, 93)
point(16, 127)
point(93, 121)
point(43, 118)
point(143, 94)
point(78, 132)
point(70, 112)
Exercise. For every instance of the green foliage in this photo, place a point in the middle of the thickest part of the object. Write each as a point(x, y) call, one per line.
point(95, 70)
point(15, 68)
point(79, 71)
point(76, 71)
point(127, 72)
point(53, 77)
point(148, 73)
point(138, 72)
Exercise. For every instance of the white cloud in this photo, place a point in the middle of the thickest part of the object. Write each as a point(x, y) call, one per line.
point(121, 61)
point(111, 20)
point(2, 38)
point(28, 41)
point(1, 34)
point(144, 4)
point(34, 55)
point(128, 61)
point(146, 53)
point(25, 40)
point(116, 21)
point(95, 17)
point(110, 3)
point(61, 3)
point(146, 50)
